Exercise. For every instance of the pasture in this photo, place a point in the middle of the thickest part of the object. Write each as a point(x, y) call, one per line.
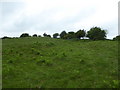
point(38, 62)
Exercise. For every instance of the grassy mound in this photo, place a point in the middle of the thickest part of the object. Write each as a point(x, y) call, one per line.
point(55, 63)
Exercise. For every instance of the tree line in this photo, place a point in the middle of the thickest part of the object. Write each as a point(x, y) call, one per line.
point(95, 33)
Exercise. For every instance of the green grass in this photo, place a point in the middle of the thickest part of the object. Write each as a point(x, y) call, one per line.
point(57, 63)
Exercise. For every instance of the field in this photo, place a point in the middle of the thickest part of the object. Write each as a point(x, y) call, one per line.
point(56, 63)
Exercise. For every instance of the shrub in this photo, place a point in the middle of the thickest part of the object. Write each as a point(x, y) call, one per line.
point(36, 52)
point(117, 38)
point(25, 35)
point(44, 61)
point(5, 37)
point(35, 35)
point(49, 44)
point(55, 35)
point(39, 36)
point(10, 61)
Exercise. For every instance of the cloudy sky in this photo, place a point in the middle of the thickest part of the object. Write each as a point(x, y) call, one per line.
point(51, 16)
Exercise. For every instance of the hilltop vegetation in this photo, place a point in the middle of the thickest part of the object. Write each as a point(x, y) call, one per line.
point(95, 33)
point(42, 62)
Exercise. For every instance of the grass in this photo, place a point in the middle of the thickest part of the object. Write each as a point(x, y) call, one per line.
point(56, 63)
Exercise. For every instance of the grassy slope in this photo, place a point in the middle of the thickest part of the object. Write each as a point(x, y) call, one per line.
point(55, 63)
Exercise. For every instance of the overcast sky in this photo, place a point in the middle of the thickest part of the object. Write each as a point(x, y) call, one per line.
point(51, 16)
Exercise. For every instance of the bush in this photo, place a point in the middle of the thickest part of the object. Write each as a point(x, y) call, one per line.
point(55, 35)
point(39, 36)
point(117, 38)
point(25, 35)
point(49, 44)
point(44, 61)
point(70, 35)
point(35, 35)
point(5, 37)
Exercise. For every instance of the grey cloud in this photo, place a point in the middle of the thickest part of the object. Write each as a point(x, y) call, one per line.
point(43, 22)
point(67, 23)
point(111, 27)
point(10, 7)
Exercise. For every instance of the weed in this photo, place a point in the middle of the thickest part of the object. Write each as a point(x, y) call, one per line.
point(112, 84)
point(40, 61)
point(64, 55)
point(48, 62)
point(44, 61)
point(81, 61)
point(71, 50)
point(10, 61)
point(49, 44)
point(36, 52)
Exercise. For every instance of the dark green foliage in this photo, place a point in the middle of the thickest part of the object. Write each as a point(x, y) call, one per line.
point(25, 35)
point(5, 37)
point(39, 35)
point(44, 61)
point(64, 55)
point(49, 44)
point(10, 61)
point(36, 52)
point(44, 34)
point(62, 35)
point(117, 38)
point(96, 33)
point(70, 35)
point(49, 36)
point(35, 35)
point(55, 35)
point(80, 33)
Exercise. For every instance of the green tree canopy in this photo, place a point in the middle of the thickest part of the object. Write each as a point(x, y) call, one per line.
point(70, 35)
point(80, 33)
point(96, 33)
point(55, 35)
point(35, 35)
point(63, 33)
point(25, 35)
point(48, 36)
point(44, 34)
point(117, 38)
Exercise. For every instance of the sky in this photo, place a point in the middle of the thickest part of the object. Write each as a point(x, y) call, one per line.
point(55, 16)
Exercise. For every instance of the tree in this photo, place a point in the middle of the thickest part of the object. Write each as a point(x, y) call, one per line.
point(117, 38)
point(70, 35)
point(25, 35)
point(35, 35)
point(39, 35)
point(80, 33)
point(96, 33)
point(44, 34)
point(55, 35)
point(48, 36)
point(63, 33)
point(5, 37)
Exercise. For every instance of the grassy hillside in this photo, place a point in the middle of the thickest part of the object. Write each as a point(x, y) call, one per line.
point(56, 63)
